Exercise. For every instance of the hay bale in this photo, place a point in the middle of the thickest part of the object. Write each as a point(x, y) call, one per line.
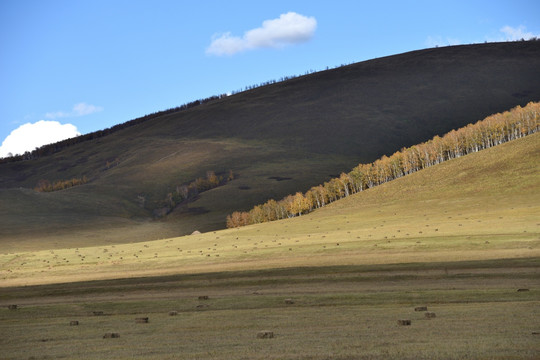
point(97, 313)
point(196, 232)
point(420, 308)
point(203, 297)
point(430, 315)
point(265, 334)
point(141, 320)
point(404, 322)
point(12, 307)
point(73, 323)
point(521, 290)
point(173, 313)
point(201, 306)
point(289, 301)
point(111, 335)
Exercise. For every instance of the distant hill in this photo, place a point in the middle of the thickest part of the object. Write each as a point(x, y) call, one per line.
point(277, 139)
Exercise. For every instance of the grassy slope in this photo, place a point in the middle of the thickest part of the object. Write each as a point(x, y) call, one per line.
point(307, 129)
point(482, 206)
point(459, 237)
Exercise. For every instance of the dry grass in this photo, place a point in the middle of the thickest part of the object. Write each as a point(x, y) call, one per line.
point(339, 313)
point(482, 206)
point(460, 238)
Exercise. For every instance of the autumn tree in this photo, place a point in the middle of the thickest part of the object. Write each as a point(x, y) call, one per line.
point(493, 130)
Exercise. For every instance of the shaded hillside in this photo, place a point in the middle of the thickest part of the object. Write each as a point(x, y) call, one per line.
point(277, 139)
point(484, 205)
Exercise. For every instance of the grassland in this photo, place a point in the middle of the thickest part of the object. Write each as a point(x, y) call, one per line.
point(338, 313)
point(460, 238)
point(481, 206)
point(306, 130)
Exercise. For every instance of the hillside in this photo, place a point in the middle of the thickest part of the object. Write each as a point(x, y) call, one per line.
point(453, 249)
point(482, 206)
point(277, 139)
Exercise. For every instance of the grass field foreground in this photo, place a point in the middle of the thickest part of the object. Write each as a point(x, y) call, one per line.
point(348, 312)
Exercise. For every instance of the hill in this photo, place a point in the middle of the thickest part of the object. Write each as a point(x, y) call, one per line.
point(454, 249)
point(482, 206)
point(277, 139)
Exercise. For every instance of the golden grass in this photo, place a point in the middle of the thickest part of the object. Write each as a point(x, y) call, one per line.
point(482, 206)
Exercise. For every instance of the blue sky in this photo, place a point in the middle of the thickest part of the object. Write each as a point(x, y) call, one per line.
point(70, 67)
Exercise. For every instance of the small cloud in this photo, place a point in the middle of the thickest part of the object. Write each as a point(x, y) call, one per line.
point(29, 136)
point(82, 109)
point(79, 109)
point(56, 115)
point(512, 34)
point(289, 28)
point(435, 41)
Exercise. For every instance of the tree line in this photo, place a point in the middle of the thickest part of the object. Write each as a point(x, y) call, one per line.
point(190, 191)
point(491, 131)
point(46, 186)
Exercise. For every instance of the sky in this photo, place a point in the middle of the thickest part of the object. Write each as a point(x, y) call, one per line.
point(72, 67)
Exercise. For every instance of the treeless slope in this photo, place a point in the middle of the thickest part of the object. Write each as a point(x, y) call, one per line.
point(278, 139)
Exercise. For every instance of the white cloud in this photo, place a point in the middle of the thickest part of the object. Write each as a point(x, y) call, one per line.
point(289, 28)
point(82, 109)
point(512, 34)
point(56, 115)
point(434, 41)
point(29, 136)
point(79, 109)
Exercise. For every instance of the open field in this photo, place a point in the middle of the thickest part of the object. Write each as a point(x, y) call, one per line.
point(347, 312)
point(461, 238)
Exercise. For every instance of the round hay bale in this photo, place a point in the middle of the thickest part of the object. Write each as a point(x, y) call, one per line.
point(12, 307)
point(141, 320)
point(111, 335)
point(97, 313)
point(73, 323)
point(289, 301)
point(201, 306)
point(420, 308)
point(196, 232)
point(173, 313)
point(404, 322)
point(265, 334)
point(430, 315)
point(203, 297)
